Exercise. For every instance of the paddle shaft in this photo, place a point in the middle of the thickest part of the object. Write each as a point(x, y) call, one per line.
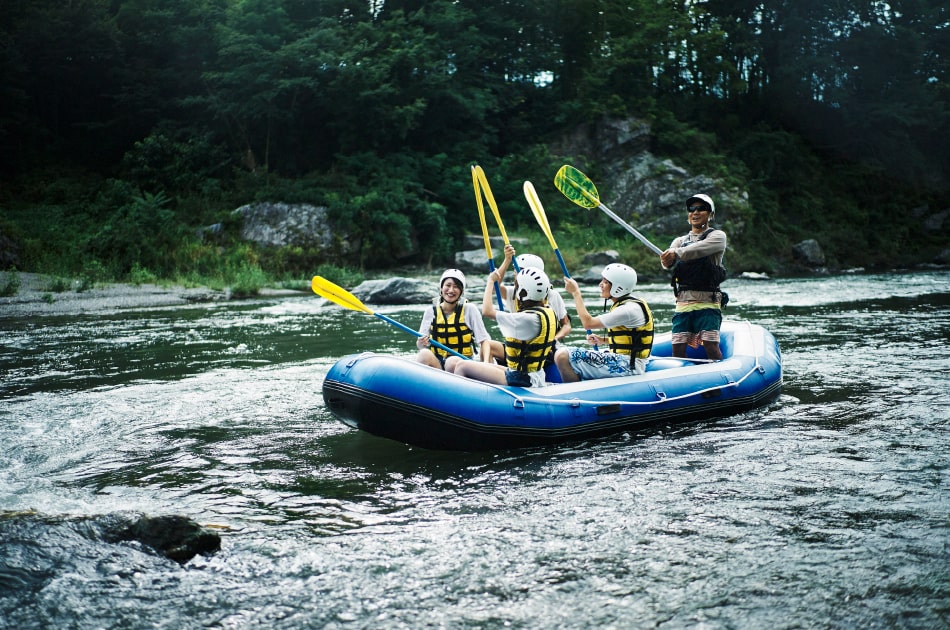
point(420, 335)
point(610, 213)
point(340, 296)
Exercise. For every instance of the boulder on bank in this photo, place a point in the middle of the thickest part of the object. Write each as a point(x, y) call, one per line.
point(601, 258)
point(397, 291)
point(809, 254)
point(472, 261)
point(281, 224)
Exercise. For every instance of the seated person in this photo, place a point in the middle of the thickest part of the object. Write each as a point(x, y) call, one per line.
point(528, 331)
point(554, 298)
point(453, 324)
point(629, 325)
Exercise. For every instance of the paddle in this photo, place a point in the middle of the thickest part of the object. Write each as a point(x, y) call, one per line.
point(538, 211)
point(578, 188)
point(481, 217)
point(338, 295)
point(494, 208)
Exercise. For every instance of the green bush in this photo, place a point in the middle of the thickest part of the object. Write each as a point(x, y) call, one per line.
point(9, 283)
point(57, 285)
point(247, 279)
point(143, 230)
point(140, 275)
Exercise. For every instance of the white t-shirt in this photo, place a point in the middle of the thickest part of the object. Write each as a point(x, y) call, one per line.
point(629, 314)
point(522, 325)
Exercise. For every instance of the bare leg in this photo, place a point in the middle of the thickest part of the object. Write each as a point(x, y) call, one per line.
point(679, 350)
point(498, 352)
point(427, 357)
point(713, 351)
point(562, 360)
point(485, 372)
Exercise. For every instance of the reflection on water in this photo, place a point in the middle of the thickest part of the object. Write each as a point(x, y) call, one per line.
point(828, 508)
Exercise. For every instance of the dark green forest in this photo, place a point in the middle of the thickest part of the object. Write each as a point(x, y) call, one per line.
point(128, 125)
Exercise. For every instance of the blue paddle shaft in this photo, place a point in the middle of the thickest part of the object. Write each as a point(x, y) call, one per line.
point(420, 335)
point(560, 259)
point(491, 269)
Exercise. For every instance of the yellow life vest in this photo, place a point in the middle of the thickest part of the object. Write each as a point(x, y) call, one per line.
point(529, 356)
point(633, 342)
point(451, 331)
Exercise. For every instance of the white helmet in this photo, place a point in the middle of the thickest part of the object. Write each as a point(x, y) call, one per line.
point(622, 279)
point(706, 199)
point(526, 261)
point(455, 274)
point(533, 284)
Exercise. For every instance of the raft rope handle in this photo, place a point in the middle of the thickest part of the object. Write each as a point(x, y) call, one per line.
point(519, 400)
point(756, 367)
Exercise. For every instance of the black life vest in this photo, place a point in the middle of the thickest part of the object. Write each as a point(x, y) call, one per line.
point(702, 274)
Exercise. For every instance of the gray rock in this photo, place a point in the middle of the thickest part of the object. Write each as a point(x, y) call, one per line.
point(607, 139)
point(175, 537)
point(397, 291)
point(477, 241)
point(281, 224)
point(601, 258)
point(472, 261)
point(809, 253)
point(590, 276)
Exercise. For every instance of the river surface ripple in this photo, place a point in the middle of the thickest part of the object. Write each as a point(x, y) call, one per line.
point(829, 508)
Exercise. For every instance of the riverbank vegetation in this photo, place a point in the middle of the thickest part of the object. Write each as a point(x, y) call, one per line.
point(131, 126)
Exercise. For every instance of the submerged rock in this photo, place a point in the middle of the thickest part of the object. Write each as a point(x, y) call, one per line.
point(175, 537)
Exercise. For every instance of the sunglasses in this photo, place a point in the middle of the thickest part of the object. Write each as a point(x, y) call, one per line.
point(692, 209)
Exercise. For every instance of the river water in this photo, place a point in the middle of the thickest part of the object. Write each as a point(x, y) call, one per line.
point(829, 508)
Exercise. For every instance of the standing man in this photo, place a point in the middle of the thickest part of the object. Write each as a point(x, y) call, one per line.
point(696, 261)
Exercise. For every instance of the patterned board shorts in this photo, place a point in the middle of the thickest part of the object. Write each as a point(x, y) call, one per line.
point(590, 364)
point(695, 327)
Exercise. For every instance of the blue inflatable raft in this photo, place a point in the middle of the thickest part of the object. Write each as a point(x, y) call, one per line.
point(403, 400)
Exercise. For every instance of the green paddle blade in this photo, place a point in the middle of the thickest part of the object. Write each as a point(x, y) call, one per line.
point(577, 187)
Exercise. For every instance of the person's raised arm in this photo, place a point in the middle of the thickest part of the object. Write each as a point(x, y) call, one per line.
point(498, 275)
point(565, 328)
point(586, 320)
point(488, 306)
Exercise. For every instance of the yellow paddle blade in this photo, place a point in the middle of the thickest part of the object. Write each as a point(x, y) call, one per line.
point(576, 186)
point(538, 210)
point(337, 294)
point(491, 201)
point(481, 210)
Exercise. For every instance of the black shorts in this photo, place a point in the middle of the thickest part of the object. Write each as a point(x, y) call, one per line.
point(517, 379)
